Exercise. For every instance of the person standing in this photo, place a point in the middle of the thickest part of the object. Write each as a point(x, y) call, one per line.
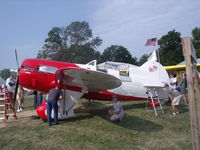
point(35, 93)
point(172, 80)
point(176, 97)
point(10, 84)
point(20, 98)
point(53, 96)
point(39, 98)
point(183, 84)
point(117, 112)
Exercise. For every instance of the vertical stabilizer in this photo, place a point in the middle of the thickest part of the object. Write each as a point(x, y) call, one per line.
point(156, 75)
point(153, 56)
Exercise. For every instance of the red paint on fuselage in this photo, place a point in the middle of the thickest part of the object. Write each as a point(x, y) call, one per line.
point(30, 76)
point(107, 96)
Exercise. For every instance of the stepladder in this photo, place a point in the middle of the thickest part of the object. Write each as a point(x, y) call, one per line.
point(6, 106)
point(153, 101)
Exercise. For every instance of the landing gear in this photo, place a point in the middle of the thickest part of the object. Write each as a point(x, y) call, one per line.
point(90, 102)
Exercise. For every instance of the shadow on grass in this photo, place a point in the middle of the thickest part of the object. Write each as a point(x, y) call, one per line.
point(77, 118)
point(129, 122)
point(184, 108)
point(136, 123)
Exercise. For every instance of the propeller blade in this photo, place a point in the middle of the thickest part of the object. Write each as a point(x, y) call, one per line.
point(16, 58)
point(17, 83)
point(16, 89)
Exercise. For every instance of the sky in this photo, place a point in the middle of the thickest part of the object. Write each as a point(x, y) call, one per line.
point(24, 24)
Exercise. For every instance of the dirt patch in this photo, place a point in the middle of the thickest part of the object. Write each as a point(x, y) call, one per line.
point(26, 113)
point(21, 116)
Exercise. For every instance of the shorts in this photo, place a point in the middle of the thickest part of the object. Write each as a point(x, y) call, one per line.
point(176, 100)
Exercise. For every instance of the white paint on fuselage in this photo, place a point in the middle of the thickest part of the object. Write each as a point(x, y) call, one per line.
point(150, 74)
point(142, 78)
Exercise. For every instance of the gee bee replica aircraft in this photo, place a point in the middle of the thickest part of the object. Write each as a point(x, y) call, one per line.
point(91, 81)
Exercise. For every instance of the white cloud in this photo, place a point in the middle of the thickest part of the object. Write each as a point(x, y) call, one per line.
point(131, 22)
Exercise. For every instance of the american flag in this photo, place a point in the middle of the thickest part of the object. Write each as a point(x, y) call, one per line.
point(151, 42)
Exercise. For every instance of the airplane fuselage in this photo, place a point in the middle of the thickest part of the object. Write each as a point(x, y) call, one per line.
point(40, 75)
point(86, 81)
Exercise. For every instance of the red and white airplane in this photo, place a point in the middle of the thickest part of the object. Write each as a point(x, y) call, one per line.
point(92, 81)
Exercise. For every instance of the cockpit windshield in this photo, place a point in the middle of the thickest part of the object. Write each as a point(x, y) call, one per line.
point(47, 69)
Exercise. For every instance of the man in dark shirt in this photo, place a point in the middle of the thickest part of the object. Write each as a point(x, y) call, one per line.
point(53, 97)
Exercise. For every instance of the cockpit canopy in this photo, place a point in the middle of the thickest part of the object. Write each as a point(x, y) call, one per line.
point(115, 66)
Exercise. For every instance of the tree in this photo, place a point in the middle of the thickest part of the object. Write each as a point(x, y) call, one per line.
point(170, 48)
point(143, 59)
point(73, 43)
point(118, 53)
point(79, 32)
point(5, 73)
point(80, 54)
point(196, 40)
point(53, 44)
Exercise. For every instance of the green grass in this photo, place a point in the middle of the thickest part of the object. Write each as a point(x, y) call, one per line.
point(91, 129)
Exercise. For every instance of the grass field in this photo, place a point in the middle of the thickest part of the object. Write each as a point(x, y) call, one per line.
point(91, 130)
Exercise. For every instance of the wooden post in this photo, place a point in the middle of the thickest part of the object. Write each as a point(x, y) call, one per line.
point(193, 90)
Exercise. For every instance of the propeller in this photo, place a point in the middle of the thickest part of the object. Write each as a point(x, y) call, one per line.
point(17, 59)
point(17, 83)
point(16, 89)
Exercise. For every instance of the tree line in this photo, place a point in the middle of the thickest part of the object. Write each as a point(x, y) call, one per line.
point(75, 43)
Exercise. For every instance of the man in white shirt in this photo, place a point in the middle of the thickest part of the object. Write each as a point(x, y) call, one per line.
point(10, 84)
point(172, 80)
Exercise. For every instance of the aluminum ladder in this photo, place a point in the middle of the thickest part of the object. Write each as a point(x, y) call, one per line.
point(152, 96)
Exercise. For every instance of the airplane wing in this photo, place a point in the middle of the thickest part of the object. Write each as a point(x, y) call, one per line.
point(89, 80)
point(175, 68)
point(178, 68)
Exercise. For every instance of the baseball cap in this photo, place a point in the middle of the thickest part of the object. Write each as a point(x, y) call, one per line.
point(114, 96)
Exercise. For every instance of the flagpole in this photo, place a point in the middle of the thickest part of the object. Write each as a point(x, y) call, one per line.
point(158, 55)
point(158, 52)
point(153, 42)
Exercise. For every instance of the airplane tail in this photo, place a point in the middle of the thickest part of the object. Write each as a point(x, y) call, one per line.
point(156, 75)
point(153, 56)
